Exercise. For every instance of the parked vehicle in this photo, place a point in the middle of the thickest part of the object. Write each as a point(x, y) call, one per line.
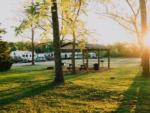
point(49, 56)
point(22, 56)
point(40, 57)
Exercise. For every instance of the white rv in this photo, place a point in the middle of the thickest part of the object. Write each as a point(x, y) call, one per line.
point(93, 55)
point(41, 57)
point(68, 55)
point(24, 55)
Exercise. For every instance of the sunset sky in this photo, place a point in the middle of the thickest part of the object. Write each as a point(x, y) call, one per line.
point(104, 31)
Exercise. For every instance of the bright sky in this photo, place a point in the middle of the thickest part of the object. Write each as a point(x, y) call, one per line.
point(105, 31)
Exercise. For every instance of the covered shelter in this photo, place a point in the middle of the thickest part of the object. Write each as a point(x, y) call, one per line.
point(85, 53)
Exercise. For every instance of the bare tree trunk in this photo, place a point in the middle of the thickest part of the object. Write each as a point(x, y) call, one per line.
point(59, 78)
point(145, 56)
point(32, 39)
point(73, 54)
point(33, 62)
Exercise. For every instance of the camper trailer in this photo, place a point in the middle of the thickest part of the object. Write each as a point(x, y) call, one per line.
point(22, 56)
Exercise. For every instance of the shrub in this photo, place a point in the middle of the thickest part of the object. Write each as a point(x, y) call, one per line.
point(5, 59)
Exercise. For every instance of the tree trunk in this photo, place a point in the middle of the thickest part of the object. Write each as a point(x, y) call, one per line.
point(145, 56)
point(59, 78)
point(73, 54)
point(33, 63)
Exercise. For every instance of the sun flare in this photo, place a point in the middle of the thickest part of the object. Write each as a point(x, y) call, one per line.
point(147, 40)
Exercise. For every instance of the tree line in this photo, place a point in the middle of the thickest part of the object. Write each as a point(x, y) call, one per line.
point(27, 46)
point(121, 49)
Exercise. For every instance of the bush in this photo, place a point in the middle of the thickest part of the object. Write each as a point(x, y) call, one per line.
point(5, 59)
point(5, 66)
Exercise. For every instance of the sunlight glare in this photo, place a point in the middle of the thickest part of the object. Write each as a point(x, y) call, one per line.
point(147, 40)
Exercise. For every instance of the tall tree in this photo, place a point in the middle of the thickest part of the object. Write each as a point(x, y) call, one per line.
point(129, 19)
point(32, 12)
point(5, 59)
point(74, 21)
point(72, 11)
point(29, 22)
point(59, 78)
point(144, 28)
point(67, 14)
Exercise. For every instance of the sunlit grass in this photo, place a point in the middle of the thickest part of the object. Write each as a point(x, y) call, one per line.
point(30, 90)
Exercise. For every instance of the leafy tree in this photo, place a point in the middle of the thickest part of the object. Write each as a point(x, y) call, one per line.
point(27, 46)
point(124, 50)
point(73, 25)
point(44, 47)
point(5, 59)
point(29, 23)
point(63, 22)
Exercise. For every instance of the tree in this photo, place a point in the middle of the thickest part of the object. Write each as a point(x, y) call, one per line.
point(144, 28)
point(5, 59)
point(44, 47)
point(75, 27)
point(129, 19)
point(29, 22)
point(59, 78)
point(60, 19)
point(67, 17)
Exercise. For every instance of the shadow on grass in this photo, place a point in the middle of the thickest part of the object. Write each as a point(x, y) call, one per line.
point(83, 75)
point(22, 78)
point(28, 87)
point(137, 98)
point(22, 70)
point(28, 83)
point(84, 93)
point(13, 95)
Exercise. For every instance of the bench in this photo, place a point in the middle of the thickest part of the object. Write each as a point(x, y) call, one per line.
point(82, 67)
point(102, 62)
point(70, 67)
point(50, 68)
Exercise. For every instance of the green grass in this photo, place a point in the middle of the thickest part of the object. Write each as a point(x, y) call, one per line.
point(29, 89)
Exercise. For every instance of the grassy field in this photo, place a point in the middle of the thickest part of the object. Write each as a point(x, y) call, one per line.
point(29, 89)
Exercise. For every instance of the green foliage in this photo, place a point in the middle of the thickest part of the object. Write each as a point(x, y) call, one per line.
point(125, 50)
point(23, 46)
point(117, 49)
point(5, 60)
point(44, 48)
point(2, 31)
point(30, 20)
point(26, 46)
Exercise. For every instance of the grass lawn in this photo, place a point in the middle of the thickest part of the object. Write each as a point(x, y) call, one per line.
point(119, 90)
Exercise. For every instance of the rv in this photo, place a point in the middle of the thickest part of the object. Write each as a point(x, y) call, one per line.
point(68, 55)
point(22, 56)
point(40, 57)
